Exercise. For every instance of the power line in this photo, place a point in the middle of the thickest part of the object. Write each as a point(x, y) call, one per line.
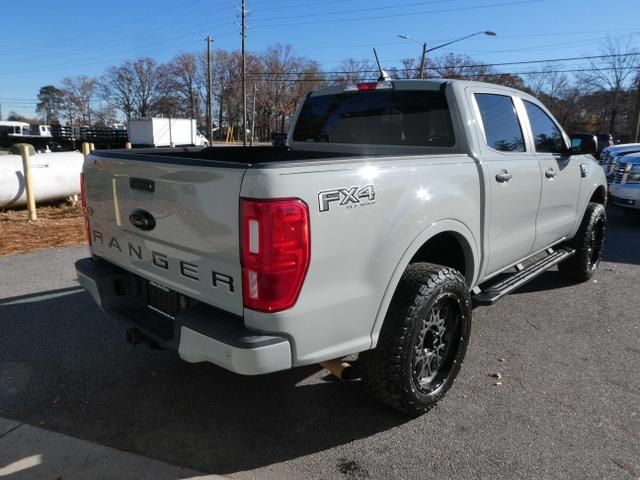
point(477, 65)
point(411, 14)
point(457, 75)
point(116, 57)
point(359, 10)
point(136, 20)
point(289, 6)
point(116, 48)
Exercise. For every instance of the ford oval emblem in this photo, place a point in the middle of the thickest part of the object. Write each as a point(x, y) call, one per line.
point(142, 219)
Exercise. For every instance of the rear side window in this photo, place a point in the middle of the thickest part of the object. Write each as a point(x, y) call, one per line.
point(501, 124)
point(546, 134)
point(383, 117)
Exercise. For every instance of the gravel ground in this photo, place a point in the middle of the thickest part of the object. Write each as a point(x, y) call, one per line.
point(568, 406)
point(57, 225)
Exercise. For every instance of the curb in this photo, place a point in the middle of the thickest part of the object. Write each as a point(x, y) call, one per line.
point(28, 452)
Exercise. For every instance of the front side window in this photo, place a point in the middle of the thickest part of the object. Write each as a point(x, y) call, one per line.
point(501, 125)
point(546, 134)
point(385, 117)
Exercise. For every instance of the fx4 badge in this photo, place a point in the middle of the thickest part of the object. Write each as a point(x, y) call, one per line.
point(346, 197)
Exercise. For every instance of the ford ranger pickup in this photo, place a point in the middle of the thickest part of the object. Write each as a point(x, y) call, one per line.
point(394, 208)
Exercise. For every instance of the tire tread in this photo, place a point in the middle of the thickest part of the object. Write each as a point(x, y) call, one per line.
point(383, 366)
point(577, 267)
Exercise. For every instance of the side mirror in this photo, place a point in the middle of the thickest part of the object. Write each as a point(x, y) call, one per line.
point(583, 144)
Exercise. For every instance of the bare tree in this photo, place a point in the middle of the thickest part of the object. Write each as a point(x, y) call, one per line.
point(559, 93)
point(106, 115)
point(613, 75)
point(117, 88)
point(78, 91)
point(147, 81)
point(354, 71)
point(181, 79)
point(226, 73)
point(134, 87)
point(286, 76)
point(460, 66)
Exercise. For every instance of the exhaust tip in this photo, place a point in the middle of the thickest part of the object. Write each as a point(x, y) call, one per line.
point(341, 370)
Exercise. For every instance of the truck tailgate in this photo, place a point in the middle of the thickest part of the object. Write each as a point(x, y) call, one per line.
point(187, 233)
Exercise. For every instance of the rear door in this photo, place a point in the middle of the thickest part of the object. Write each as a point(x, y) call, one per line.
point(560, 175)
point(191, 244)
point(512, 175)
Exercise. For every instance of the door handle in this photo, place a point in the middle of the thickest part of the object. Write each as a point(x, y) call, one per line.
point(503, 177)
point(550, 173)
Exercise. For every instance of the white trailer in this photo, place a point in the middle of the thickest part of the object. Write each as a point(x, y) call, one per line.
point(162, 132)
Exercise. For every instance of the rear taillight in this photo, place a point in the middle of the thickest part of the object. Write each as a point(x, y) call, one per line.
point(274, 249)
point(83, 200)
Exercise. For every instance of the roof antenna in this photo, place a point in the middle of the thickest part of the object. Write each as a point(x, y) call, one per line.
point(384, 76)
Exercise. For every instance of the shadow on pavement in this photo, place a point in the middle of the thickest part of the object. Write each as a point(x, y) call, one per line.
point(621, 246)
point(549, 280)
point(66, 367)
point(623, 236)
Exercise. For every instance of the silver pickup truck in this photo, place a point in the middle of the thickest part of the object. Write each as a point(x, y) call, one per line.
point(396, 206)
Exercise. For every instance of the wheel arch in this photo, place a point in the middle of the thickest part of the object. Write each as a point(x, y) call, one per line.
point(447, 242)
point(599, 195)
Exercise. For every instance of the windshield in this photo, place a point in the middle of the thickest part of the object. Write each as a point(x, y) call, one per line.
point(385, 117)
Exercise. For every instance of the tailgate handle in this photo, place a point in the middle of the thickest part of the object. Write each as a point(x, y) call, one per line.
point(142, 184)
point(142, 219)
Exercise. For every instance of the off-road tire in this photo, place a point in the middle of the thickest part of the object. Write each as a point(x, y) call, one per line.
point(588, 244)
point(389, 372)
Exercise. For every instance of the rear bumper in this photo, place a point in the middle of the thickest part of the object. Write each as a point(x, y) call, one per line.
point(199, 333)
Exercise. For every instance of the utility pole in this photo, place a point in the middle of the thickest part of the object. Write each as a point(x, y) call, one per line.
point(253, 113)
point(636, 130)
point(209, 136)
point(244, 80)
point(424, 56)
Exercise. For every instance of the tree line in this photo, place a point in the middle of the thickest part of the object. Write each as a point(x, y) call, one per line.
point(602, 97)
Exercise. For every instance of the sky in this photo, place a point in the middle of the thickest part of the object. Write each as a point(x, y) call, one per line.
point(43, 42)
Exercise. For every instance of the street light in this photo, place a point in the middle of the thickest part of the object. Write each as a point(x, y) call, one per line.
point(425, 50)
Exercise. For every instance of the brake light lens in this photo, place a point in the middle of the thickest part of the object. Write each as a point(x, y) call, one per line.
point(274, 250)
point(83, 201)
point(363, 87)
point(367, 86)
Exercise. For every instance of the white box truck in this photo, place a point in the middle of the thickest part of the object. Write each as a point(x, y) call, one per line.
point(162, 132)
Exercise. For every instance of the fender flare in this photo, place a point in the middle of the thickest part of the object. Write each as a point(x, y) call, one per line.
point(472, 263)
point(595, 186)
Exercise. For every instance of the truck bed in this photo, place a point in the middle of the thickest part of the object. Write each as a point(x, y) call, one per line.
point(240, 156)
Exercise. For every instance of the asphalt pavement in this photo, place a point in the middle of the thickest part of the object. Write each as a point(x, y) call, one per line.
point(568, 405)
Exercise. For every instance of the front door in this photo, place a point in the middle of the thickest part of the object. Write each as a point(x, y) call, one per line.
point(560, 177)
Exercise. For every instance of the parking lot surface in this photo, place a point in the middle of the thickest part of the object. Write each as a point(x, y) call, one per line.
point(568, 405)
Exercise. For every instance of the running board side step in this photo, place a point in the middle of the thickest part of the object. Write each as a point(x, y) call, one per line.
point(491, 293)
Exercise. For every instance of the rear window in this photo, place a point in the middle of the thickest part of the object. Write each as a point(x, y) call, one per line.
point(501, 124)
point(384, 117)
